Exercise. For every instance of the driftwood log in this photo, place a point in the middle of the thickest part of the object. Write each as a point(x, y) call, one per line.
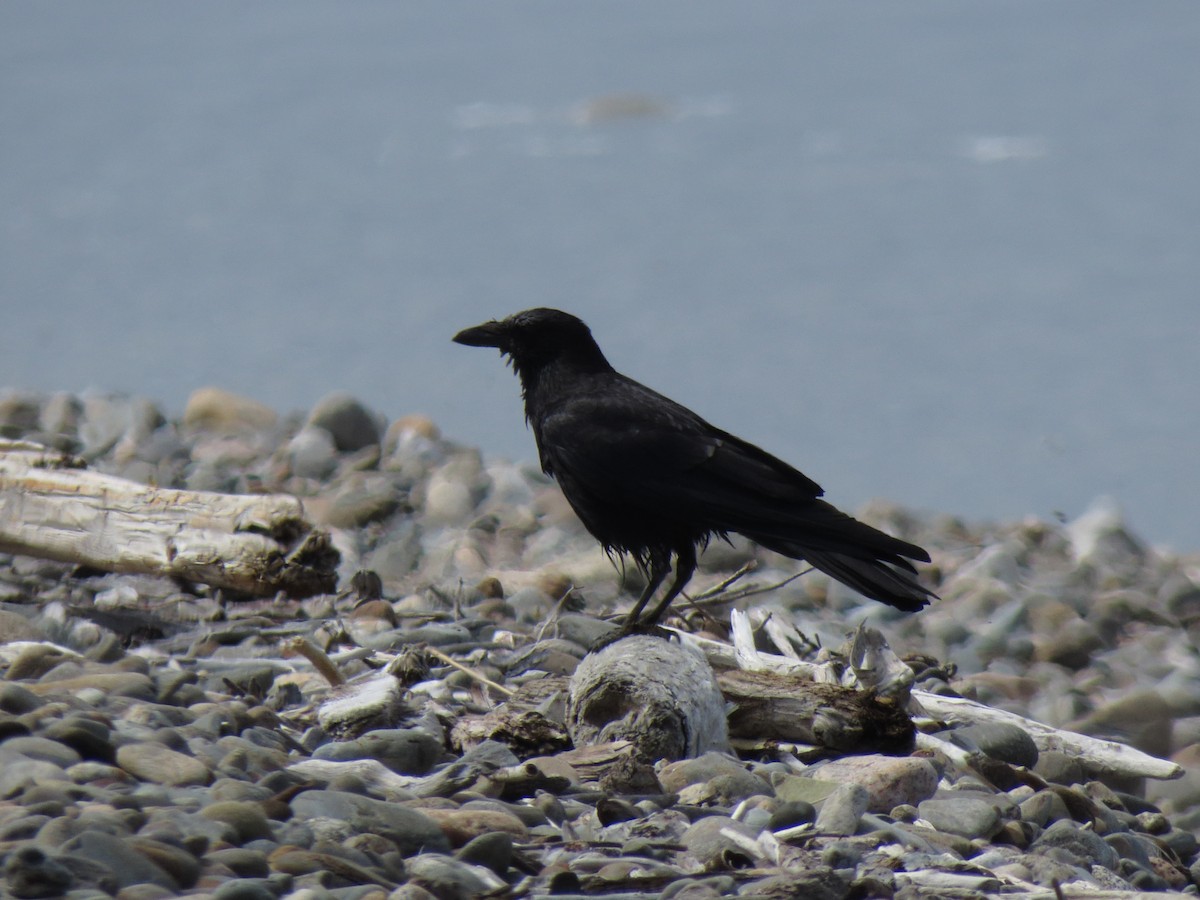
point(52, 507)
point(768, 706)
point(657, 694)
point(1096, 755)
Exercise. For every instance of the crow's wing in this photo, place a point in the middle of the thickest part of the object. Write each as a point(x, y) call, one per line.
point(628, 448)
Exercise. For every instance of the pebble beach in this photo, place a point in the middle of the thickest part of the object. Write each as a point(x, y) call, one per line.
point(161, 740)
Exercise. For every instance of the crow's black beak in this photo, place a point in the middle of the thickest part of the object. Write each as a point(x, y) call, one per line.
point(489, 334)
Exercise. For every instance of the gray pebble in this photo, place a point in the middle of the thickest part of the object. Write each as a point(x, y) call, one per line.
point(434, 635)
point(1143, 880)
point(791, 814)
point(842, 855)
point(448, 502)
point(242, 862)
point(1044, 807)
point(1085, 847)
point(162, 765)
point(447, 877)
point(889, 780)
point(60, 414)
point(494, 850)
point(41, 748)
point(809, 882)
point(409, 751)
point(246, 889)
point(247, 819)
point(350, 425)
point(312, 453)
point(1059, 768)
point(970, 817)
point(177, 862)
point(108, 417)
point(583, 631)
point(411, 830)
point(687, 889)
point(757, 818)
point(362, 498)
point(1000, 740)
point(19, 772)
point(841, 811)
point(703, 769)
point(722, 842)
point(127, 865)
point(22, 827)
point(87, 737)
point(15, 698)
point(192, 824)
point(1130, 849)
point(1180, 842)
point(29, 873)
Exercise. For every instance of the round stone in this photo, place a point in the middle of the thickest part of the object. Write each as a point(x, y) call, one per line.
point(1000, 740)
point(152, 761)
point(351, 425)
point(967, 816)
point(841, 811)
point(246, 817)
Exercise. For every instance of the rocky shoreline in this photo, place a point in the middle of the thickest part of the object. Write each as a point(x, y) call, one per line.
point(162, 740)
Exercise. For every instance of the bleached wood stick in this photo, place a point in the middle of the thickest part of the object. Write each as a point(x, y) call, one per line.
point(53, 508)
point(1105, 757)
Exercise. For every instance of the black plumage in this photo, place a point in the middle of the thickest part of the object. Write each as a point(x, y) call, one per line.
point(651, 479)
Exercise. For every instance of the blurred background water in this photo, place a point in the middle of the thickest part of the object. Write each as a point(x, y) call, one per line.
point(936, 251)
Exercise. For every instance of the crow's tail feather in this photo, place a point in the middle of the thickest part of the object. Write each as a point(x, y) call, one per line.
point(873, 579)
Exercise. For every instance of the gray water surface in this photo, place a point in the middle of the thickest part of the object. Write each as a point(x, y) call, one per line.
point(940, 252)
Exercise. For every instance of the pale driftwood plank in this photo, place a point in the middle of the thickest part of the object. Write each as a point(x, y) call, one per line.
point(53, 508)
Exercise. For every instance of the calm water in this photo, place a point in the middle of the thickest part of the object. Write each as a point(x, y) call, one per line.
point(941, 252)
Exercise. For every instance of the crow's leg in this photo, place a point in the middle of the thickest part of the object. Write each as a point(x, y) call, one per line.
point(685, 565)
point(657, 571)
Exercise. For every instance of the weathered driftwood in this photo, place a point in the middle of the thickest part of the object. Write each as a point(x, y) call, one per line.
point(375, 701)
point(658, 694)
point(530, 721)
point(1096, 755)
point(615, 766)
point(53, 508)
point(866, 663)
point(791, 708)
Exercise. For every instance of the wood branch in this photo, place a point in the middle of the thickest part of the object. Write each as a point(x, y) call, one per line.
point(530, 722)
point(615, 766)
point(1096, 755)
point(658, 694)
point(53, 508)
point(793, 708)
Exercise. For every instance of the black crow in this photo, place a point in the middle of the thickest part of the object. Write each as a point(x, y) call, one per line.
point(651, 479)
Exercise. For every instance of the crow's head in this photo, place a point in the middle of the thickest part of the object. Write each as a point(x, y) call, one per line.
point(534, 338)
